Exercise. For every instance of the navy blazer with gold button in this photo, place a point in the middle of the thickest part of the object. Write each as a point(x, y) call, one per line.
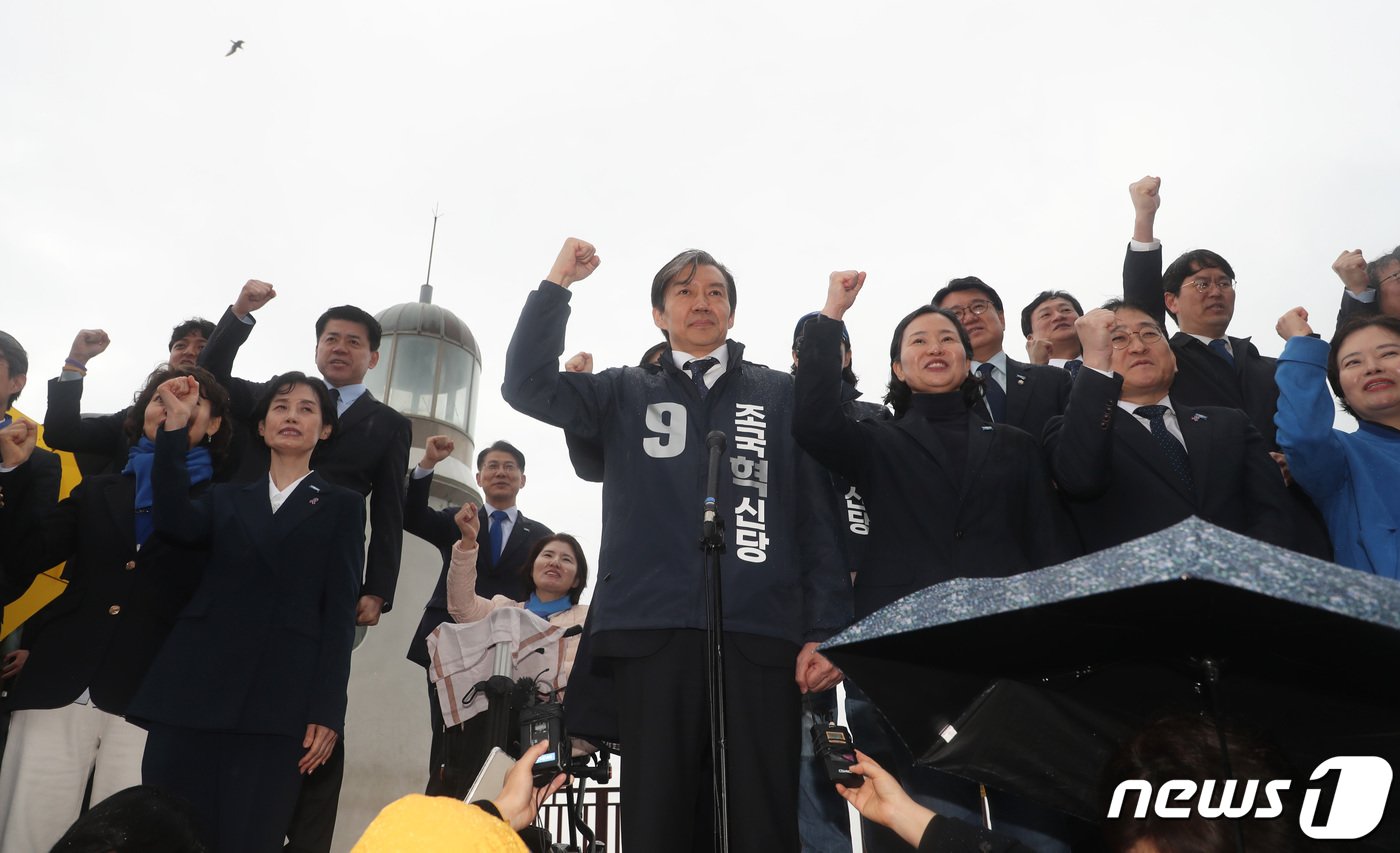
point(103, 631)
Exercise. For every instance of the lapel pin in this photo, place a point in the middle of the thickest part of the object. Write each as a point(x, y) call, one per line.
point(1198, 417)
point(314, 500)
point(1020, 379)
point(986, 429)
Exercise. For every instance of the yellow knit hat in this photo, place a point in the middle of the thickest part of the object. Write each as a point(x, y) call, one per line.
point(419, 824)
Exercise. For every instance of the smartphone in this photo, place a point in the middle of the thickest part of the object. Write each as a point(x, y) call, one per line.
point(492, 776)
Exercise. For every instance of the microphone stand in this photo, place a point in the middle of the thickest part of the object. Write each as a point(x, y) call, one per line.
point(712, 543)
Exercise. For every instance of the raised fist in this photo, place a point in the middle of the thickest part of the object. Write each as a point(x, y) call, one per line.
point(1039, 350)
point(1350, 267)
point(841, 291)
point(577, 260)
point(180, 397)
point(1096, 336)
point(254, 295)
point(581, 363)
point(438, 448)
point(468, 522)
point(1293, 323)
point(17, 442)
point(88, 343)
point(1144, 193)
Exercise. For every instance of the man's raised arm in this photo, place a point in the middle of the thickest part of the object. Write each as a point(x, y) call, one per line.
point(533, 384)
point(1142, 265)
point(233, 329)
point(64, 426)
point(1358, 298)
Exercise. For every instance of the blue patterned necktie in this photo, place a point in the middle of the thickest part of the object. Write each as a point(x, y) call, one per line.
point(995, 395)
point(697, 368)
point(1073, 367)
point(498, 540)
point(1220, 348)
point(1176, 454)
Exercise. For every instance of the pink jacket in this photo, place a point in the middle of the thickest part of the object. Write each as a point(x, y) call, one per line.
point(466, 606)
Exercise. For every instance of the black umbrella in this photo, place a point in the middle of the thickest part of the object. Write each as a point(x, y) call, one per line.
point(1028, 683)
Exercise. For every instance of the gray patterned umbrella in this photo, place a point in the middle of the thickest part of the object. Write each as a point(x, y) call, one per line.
point(1027, 683)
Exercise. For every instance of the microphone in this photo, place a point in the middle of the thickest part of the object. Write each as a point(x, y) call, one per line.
point(715, 441)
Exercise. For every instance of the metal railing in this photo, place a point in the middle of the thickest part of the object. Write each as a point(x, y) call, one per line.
point(601, 810)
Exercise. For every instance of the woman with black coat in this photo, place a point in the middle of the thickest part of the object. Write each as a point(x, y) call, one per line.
point(126, 585)
point(249, 692)
point(948, 495)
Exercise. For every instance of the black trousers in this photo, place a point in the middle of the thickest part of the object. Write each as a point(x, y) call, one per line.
point(313, 822)
point(436, 754)
point(663, 723)
point(243, 787)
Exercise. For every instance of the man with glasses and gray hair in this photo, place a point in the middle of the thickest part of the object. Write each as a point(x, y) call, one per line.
point(1213, 368)
point(1022, 395)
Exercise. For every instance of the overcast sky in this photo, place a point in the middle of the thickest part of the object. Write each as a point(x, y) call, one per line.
point(144, 175)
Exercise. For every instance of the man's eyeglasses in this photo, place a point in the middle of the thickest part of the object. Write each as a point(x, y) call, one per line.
point(1121, 340)
point(977, 308)
point(1203, 285)
point(1392, 277)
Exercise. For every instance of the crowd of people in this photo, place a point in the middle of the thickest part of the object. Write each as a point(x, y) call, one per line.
point(212, 491)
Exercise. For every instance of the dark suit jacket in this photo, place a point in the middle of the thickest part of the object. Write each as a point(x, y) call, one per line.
point(263, 647)
point(31, 488)
point(1352, 308)
point(493, 577)
point(34, 484)
point(1035, 393)
point(99, 441)
point(1204, 378)
point(368, 452)
point(1118, 483)
point(943, 834)
point(928, 524)
point(103, 632)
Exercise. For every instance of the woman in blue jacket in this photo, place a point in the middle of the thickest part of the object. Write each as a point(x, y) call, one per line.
point(1351, 477)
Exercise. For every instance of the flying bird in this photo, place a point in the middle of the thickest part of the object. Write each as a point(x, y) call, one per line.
point(236, 46)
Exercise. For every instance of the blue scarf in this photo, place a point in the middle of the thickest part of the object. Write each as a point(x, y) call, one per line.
point(546, 609)
point(139, 460)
